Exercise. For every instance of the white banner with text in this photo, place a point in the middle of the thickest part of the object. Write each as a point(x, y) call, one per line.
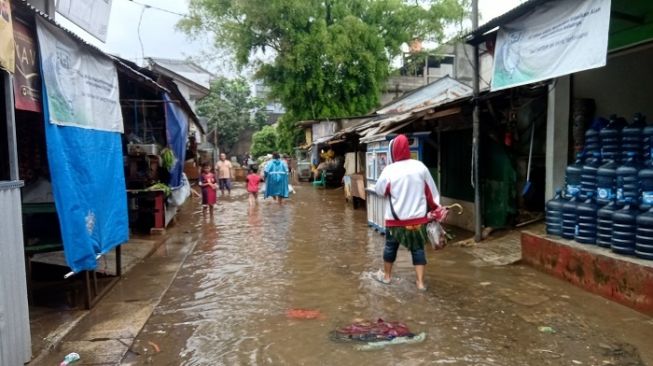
point(557, 38)
point(82, 86)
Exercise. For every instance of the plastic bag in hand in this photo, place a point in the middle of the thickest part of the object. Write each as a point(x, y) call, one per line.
point(439, 214)
point(436, 234)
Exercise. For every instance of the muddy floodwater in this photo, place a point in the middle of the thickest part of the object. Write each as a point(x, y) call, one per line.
point(229, 302)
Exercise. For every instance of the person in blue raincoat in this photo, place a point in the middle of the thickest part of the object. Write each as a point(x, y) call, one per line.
point(276, 178)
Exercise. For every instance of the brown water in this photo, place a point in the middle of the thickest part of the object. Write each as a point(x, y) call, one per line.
point(228, 304)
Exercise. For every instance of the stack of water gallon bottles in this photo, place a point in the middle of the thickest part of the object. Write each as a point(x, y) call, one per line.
point(608, 197)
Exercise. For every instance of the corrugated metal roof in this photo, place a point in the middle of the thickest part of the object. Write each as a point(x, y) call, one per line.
point(186, 70)
point(439, 92)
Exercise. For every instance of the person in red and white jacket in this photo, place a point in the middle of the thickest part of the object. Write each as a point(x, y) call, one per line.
point(410, 194)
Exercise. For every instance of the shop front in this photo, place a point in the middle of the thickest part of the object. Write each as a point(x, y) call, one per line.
point(597, 148)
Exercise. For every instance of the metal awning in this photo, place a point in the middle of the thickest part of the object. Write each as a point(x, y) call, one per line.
point(439, 92)
point(385, 127)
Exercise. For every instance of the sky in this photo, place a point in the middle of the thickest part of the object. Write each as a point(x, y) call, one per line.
point(160, 38)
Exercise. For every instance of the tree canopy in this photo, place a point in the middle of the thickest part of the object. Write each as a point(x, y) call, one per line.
point(264, 141)
point(230, 108)
point(324, 58)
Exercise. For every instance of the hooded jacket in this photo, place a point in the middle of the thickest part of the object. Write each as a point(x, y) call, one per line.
point(408, 186)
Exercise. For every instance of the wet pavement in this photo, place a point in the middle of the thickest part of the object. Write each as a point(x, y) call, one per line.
point(228, 302)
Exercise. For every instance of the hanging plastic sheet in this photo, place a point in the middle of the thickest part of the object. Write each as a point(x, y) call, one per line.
point(86, 165)
point(177, 132)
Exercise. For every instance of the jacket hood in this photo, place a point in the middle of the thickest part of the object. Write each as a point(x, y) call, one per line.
point(399, 148)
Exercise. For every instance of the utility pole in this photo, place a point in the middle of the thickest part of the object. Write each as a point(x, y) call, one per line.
point(476, 131)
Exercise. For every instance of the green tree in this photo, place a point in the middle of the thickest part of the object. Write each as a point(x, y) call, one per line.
point(264, 141)
point(329, 58)
point(230, 109)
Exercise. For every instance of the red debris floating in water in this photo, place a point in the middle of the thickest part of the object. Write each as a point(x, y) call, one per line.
point(373, 331)
point(303, 314)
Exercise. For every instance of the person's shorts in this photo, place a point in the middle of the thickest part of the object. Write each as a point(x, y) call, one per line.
point(224, 183)
point(392, 246)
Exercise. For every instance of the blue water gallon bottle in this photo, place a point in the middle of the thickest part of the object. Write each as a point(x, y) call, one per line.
point(573, 175)
point(569, 218)
point(627, 180)
point(606, 175)
point(554, 214)
point(586, 221)
point(624, 228)
point(604, 224)
point(644, 238)
point(588, 175)
point(632, 137)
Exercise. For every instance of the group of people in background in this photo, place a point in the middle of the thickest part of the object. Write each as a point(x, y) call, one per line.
point(275, 175)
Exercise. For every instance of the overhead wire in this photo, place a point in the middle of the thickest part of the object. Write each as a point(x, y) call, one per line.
point(148, 6)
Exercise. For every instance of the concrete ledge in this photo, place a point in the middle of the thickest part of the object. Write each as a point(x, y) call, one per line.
point(626, 280)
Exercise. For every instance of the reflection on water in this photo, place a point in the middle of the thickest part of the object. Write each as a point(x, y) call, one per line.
point(228, 304)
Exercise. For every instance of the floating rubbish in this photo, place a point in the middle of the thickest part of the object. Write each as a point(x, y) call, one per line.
point(70, 359)
point(155, 346)
point(376, 334)
point(305, 314)
point(371, 346)
point(546, 329)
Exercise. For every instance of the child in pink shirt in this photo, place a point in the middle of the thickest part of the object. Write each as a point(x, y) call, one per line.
point(253, 181)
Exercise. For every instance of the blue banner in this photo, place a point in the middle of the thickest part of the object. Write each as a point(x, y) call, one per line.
point(88, 183)
point(177, 132)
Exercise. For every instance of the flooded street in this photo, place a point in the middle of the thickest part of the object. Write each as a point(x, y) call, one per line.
point(228, 303)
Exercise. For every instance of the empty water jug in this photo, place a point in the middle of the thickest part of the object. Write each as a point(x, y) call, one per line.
point(610, 137)
point(624, 228)
point(605, 183)
point(573, 175)
point(604, 224)
point(586, 221)
point(554, 214)
point(645, 177)
point(647, 142)
point(569, 218)
point(627, 180)
point(588, 176)
point(592, 139)
point(644, 238)
point(632, 137)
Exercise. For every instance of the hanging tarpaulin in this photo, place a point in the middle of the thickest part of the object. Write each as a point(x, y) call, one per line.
point(177, 132)
point(86, 165)
point(558, 38)
point(92, 16)
point(83, 87)
point(27, 80)
point(6, 37)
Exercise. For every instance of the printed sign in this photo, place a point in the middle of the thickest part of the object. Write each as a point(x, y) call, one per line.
point(82, 87)
point(6, 37)
point(90, 15)
point(27, 81)
point(558, 38)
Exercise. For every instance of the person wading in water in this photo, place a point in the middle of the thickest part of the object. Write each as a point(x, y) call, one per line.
point(276, 179)
point(410, 194)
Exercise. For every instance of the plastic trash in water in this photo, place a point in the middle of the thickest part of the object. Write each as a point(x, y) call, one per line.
point(371, 346)
point(545, 329)
point(70, 359)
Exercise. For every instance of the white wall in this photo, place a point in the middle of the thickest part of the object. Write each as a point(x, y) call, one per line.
point(624, 86)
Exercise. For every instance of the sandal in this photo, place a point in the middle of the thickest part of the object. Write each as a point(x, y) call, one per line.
point(380, 277)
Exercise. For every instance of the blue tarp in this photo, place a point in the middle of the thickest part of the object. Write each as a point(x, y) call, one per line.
point(177, 132)
point(88, 182)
